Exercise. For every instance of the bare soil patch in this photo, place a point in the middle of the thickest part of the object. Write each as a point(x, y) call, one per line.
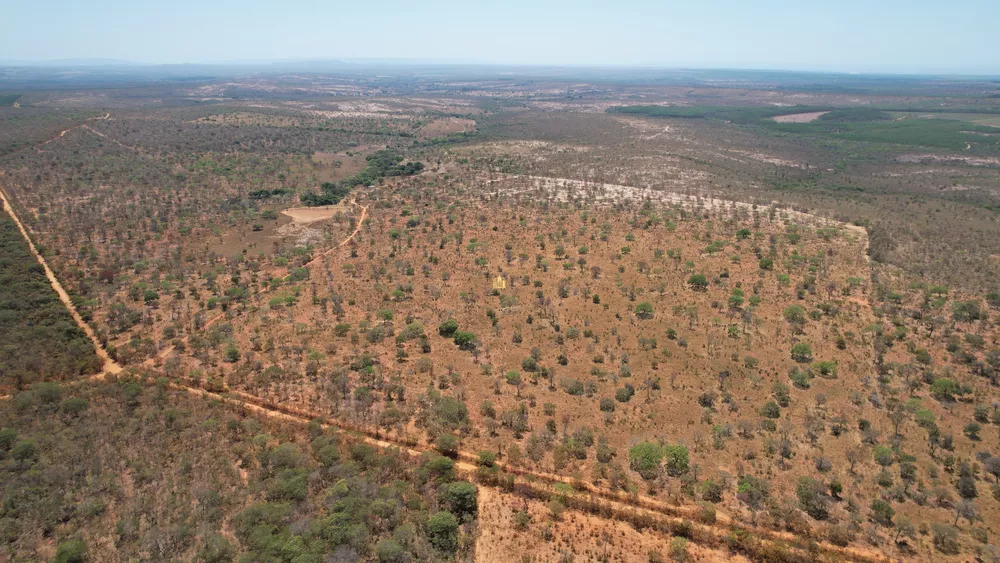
point(800, 117)
point(446, 126)
point(313, 214)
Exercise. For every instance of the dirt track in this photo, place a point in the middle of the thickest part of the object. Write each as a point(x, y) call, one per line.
point(110, 366)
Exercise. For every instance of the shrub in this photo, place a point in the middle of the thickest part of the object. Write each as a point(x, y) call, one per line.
point(465, 340)
point(802, 352)
point(826, 369)
point(448, 328)
point(71, 551)
point(770, 410)
point(625, 394)
point(447, 444)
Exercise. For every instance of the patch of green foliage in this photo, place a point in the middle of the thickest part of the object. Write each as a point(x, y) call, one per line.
point(866, 125)
point(381, 164)
point(301, 498)
point(38, 337)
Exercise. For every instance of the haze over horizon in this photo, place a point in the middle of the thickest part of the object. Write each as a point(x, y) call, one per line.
point(851, 36)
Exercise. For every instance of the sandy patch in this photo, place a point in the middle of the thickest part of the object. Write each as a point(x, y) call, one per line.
point(570, 190)
point(800, 117)
point(302, 233)
point(936, 158)
point(305, 215)
point(446, 126)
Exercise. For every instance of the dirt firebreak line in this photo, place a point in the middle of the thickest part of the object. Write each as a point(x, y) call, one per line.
point(613, 503)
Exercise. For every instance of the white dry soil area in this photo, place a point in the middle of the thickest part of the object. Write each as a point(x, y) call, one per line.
point(800, 117)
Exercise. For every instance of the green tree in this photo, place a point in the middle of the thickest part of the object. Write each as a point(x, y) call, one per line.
point(698, 282)
point(644, 459)
point(676, 460)
point(442, 531)
point(465, 340)
point(882, 513)
point(644, 310)
point(448, 328)
point(461, 498)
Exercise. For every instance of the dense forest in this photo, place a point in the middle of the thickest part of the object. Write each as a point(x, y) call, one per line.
point(133, 470)
point(38, 338)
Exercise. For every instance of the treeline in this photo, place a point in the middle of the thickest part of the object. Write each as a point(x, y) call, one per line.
point(38, 338)
point(734, 114)
point(863, 125)
point(258, 195)
point(206, 482)
point(381, 164)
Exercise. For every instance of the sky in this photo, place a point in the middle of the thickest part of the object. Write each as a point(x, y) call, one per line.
point(895, 36)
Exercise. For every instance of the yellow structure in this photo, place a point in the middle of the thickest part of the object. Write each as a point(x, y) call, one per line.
point(500, 283)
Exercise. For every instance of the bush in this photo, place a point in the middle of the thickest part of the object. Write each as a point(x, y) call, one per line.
point(25, 450)
point(389, 551)
point(802, 352)
point(71, 551)
point(448, 328)
point(447, 444)
point(625, 394)
point(770, 410)
point(465, 340)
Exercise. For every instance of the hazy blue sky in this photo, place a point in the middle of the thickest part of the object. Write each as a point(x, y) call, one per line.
point(847, 35)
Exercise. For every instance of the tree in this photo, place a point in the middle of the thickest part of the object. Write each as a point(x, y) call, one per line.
point(644, 310)
point(812, 498)
point(884, 456)
point(465, 340)
point(698, 282)
point(442, 531)
point(945, 538)
point(770, 410)
point(904, 529)
point(644, 458)
point(992, 466)
point(461, 498)
point(447, 444)
point(967, 510)
point(943, 389)
point(882, 513)
point(854, 456)
point(677, 460)
point(753, 491)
